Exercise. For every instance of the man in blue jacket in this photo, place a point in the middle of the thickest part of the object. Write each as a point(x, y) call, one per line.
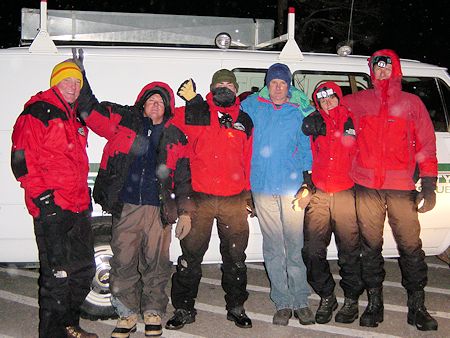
point(280, 162)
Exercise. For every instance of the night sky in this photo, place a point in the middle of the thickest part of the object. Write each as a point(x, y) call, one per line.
point(416, 29)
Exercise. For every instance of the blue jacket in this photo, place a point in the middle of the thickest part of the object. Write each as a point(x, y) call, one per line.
point(141, 186)
point(281, 152)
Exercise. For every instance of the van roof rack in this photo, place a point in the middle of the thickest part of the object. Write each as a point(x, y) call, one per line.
point(103, 28)
point(70, 27)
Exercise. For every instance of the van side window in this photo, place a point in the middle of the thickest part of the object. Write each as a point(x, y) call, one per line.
point(349, 82)
point(435, 95)
point(250, 80)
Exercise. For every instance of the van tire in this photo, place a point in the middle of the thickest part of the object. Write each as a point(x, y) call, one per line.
point(97, 304)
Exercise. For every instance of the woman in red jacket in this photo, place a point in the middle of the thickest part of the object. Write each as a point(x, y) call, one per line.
point(332, 206)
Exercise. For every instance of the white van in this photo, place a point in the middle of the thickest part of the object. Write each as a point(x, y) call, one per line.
point(117, 74)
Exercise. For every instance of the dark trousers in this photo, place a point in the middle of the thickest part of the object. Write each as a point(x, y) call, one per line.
point(327, 214)
point(67, 266)
point(231, 215)
point(371, 207)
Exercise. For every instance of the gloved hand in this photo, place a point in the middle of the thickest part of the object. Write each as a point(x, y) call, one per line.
point(183, 226)
point(187, 90)
point(251, 207)
point(304, 194)
point(78, 58)
point(427, 194)
point(302, 198)
point(49, 211)
point(314, 125)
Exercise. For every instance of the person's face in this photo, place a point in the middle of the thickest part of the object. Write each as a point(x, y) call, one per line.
point(382, 73)
point(226, 84)
point(328, 103)
point(154, 108)
point(278, 91)
point(70, 89)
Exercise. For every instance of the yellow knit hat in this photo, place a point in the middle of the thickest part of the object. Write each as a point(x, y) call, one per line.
point(64, 70)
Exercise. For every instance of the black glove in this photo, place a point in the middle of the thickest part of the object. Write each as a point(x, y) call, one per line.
point(304, 194)
point(187, 90)
point(49, 211)
point(427, 194)
point(314, 125)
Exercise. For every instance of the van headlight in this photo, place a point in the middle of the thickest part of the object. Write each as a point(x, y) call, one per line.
point(223, 40)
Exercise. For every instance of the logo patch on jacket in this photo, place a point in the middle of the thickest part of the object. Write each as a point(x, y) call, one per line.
point(349, 128)
point(81, 131)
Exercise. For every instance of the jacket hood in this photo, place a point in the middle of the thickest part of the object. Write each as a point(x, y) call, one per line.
point(396, 75)
point(295, 97)
point(331, 85)
point(162, 89)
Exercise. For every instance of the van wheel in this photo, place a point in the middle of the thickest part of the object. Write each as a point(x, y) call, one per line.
point(97, 304)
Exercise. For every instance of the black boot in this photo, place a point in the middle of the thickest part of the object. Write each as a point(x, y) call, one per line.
point(239, 317)
point(348, 312)
point(180, 318)
point(326, 307)
point(373, 314)
point(417, 312)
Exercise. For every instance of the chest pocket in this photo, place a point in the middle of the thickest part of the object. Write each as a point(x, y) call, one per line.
point(398, 140)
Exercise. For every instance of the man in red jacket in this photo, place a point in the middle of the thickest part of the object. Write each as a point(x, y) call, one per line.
point(219, 141)
point(395, 136)
point(332, 206)
point(49, 160)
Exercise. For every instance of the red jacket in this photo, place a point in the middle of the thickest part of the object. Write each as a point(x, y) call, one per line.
point(333, 152)
point(395, 133)
point(219, 157)
point(123, 127)
point(49, 152)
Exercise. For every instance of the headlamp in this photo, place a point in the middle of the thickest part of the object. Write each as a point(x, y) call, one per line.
point(324, 93)
point(381, 61)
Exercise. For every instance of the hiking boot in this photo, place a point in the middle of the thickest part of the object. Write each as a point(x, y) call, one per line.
point(418, 314)
point(153, 327)
point(374, 312)
point(348, 312)
point(304, 316)
point(125, 326)
point(281, 317)
point(239, 317)
point(180, 318)
point(326, 307)
point(77, 332)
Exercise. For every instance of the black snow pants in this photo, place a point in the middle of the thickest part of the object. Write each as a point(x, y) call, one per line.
point(67, 266)
point(372, 206)
point(232, 226)
point(329, 213)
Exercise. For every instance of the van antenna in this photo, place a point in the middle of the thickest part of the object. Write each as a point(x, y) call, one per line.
point(291, 50)
point(345, 48)
point(42, 43)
